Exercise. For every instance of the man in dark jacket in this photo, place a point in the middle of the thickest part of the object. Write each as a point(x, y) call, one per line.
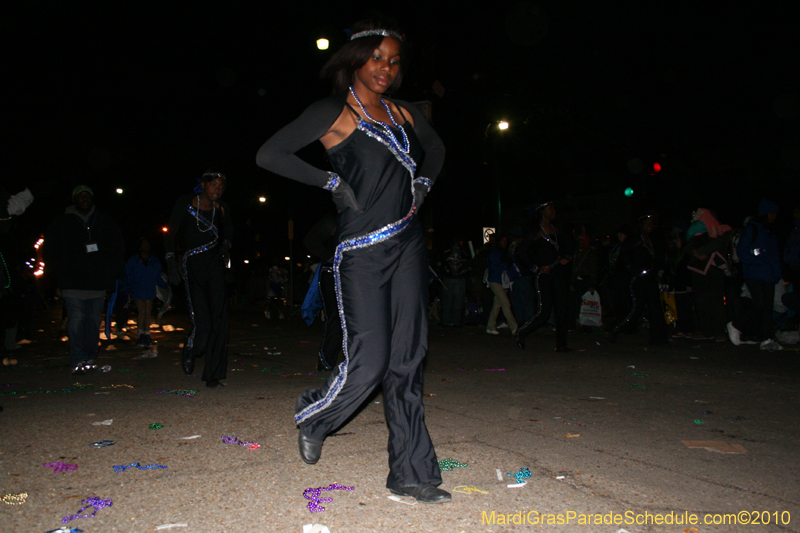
point(761, 264)
point(84, 250)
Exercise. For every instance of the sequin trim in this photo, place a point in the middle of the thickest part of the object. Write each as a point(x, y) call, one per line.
point(333, 182)
point(369, 239)
point(628, 318)
point(390, 143)
point(212, 229)
point(425, 181)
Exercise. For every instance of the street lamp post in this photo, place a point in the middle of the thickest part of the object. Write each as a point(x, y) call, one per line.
point(502, 125)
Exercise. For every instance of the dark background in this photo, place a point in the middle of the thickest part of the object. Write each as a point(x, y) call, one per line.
point(146, 97)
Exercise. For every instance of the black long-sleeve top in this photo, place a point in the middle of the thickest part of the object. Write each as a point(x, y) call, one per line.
point(183, 227)
point(278, 153)
point(536, 252)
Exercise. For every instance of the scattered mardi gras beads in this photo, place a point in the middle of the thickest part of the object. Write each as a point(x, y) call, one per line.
point(189, 393)
point(70, 389)
point(523, 473)
point(118, 386)
point(313, 494)
point(91, 501)
point(65, 530)
point(638, 386)
point(102, 443)
point(234, 440)
point(122, 468)
point(61, 467)
point(15, 499)
point(466, 489)
point(449, 464)
point(157, 425)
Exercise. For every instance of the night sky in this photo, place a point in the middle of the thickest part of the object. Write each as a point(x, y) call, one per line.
point(146, 98)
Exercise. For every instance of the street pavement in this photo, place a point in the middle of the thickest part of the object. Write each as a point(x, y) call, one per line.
point(600, 429)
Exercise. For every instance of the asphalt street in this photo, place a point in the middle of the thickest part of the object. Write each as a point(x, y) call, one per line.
point(601, 431)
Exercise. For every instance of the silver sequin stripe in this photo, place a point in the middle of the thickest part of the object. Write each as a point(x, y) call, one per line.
point(363, 241)
point(628, 318)
point(405, 159)
point(333, 182)
point(195, 251)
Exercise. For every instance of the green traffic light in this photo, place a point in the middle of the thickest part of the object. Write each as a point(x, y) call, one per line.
point(628, 192)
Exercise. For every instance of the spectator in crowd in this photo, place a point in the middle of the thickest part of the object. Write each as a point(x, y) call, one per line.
point(707, 240)
point(760, 256)
point(455, 269)
point(791, 255)
point(616, 292)
point(584, 274)
point(501, 272)
point(142, 275)
point(84, 250)
point(522, 288)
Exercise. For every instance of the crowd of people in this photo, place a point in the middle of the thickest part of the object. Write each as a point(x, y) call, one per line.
point(699, 278)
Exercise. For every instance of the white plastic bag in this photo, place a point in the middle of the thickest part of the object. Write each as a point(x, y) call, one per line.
point(591, 310)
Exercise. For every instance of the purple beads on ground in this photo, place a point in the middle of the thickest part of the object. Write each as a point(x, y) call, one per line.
point(61, 467)
point(313, 495)
point(92, 501)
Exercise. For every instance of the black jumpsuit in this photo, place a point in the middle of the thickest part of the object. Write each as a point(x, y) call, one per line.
point(380, 271)
point(644, 293)
point(552, 289)
point(203, 242)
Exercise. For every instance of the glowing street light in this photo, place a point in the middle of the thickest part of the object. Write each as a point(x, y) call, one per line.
point(322, 44)
point(119, 191)
point(502, 125)
point(262, 199)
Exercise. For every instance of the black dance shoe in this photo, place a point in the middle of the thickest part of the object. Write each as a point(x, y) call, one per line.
point(310, 450)
point(213, 383)
point(520, 341)
point(187, 361)
point(425, 493)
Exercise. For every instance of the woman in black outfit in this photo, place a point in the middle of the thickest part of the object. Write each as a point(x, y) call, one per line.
point(643, 262)
point(203, 224)
point(379, 180)
point(548, 251)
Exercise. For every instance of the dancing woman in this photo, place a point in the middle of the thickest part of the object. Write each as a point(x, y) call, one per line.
point(643, 263)
point(378, 183)
point(202, 223)
point(550, 251)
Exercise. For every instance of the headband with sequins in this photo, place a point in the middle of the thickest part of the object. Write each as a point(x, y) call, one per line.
point(382, 33)
point(214, 175)
point(542, 206)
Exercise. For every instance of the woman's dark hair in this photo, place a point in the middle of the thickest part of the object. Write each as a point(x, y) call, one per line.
point(354, 54)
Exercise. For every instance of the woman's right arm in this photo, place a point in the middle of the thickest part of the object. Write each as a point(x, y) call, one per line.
point(278, 153)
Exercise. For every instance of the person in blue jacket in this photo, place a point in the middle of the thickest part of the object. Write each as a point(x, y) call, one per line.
point(143, 274)
point(500, 261)
point(759, 254)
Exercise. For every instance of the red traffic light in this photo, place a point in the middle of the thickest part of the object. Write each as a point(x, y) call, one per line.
point(657, 167)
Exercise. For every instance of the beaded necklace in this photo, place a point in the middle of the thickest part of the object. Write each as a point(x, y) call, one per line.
point(404, 147)
point(8, 274)
point(197, 217)
point(545, 236)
